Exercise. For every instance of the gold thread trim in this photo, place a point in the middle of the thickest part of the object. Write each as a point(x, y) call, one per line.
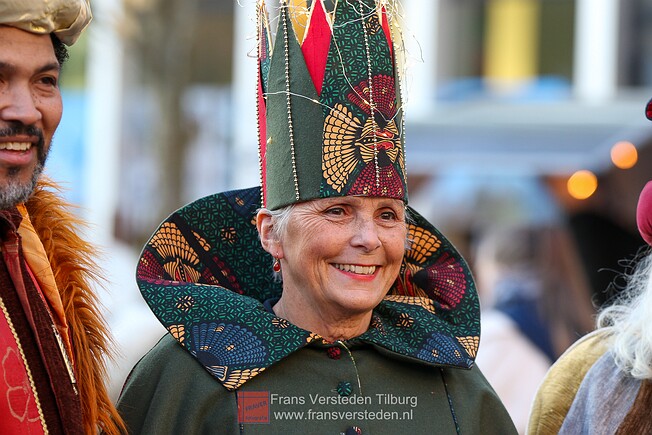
point(355, 366)
point(259, 23)
point(372, 106)
point(66, 359)
point(402, 135)
point(27, 370)
point(288, 97)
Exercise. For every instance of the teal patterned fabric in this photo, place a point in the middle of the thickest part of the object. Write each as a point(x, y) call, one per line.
point(205, 276)
point(360, 74)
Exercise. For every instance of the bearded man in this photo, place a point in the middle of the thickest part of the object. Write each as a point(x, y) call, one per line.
point(52, 337)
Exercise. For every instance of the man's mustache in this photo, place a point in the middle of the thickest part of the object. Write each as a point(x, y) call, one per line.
point(20, 129)
point(17, 129)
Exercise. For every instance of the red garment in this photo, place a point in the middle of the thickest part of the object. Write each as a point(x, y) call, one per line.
point(19, 412)
point(41, 379)
point(644, 213)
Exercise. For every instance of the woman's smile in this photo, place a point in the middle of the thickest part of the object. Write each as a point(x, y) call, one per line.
point(355, 269)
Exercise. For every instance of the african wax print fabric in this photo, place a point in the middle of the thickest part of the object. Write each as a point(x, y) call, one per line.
point(206, 277)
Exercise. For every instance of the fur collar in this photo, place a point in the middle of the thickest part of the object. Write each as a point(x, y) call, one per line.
point(75, 273)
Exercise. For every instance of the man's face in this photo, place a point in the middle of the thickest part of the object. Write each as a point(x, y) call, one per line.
point(30, 110)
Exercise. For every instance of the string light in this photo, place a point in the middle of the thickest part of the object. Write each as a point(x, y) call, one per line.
point(582, 184)
point(624, 155)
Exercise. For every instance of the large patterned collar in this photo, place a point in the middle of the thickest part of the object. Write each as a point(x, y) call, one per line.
point(205, 276)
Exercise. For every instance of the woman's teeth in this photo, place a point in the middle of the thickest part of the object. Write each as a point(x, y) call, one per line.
point(360, 270)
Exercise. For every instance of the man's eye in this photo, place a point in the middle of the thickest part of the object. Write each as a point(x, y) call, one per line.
point(49, 80)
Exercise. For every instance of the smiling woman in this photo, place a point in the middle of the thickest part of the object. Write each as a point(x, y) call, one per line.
point(339, 257)
point(356, 314)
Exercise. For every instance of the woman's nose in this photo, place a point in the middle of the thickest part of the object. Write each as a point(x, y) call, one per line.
point(366, 235)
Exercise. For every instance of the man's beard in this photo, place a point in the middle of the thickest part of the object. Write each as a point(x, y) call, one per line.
point(14, 191)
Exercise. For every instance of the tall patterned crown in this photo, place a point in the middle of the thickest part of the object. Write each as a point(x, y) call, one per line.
point(330, 117)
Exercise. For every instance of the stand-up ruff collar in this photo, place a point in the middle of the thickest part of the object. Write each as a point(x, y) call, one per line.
point(65, 18)
point(329, 106)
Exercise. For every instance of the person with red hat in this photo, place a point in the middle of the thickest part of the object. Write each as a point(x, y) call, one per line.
point(603, 383)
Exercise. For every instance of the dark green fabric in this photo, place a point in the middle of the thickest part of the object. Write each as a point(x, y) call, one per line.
point(169, 392)
point(307, 124)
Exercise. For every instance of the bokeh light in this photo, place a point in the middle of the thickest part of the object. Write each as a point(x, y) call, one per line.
point(624, 155)
point(582, 184)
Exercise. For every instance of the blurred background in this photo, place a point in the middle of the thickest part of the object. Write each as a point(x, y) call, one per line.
point(521, 113)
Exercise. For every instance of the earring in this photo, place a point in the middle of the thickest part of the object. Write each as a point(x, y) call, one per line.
point(277, 266)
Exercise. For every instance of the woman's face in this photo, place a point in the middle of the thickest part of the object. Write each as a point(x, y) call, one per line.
point(343, 253)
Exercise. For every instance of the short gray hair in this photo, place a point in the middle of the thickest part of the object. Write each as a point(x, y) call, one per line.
point(280, 219)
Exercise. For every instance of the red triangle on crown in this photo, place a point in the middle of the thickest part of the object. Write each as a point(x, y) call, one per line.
point(387, 31)
point(316, 44)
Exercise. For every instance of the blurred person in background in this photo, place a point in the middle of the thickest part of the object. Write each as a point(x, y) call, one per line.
point(52, 337)
point(372, 305)
point(535, 303)
point(603, 383)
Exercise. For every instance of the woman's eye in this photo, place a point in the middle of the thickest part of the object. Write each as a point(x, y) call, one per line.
point(335, 211)
point(388, 215)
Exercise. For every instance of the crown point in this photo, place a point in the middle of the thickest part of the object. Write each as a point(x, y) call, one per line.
point(299, 17)
point(317, 43)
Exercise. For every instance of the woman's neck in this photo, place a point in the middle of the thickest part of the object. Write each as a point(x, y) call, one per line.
point(331, 326)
